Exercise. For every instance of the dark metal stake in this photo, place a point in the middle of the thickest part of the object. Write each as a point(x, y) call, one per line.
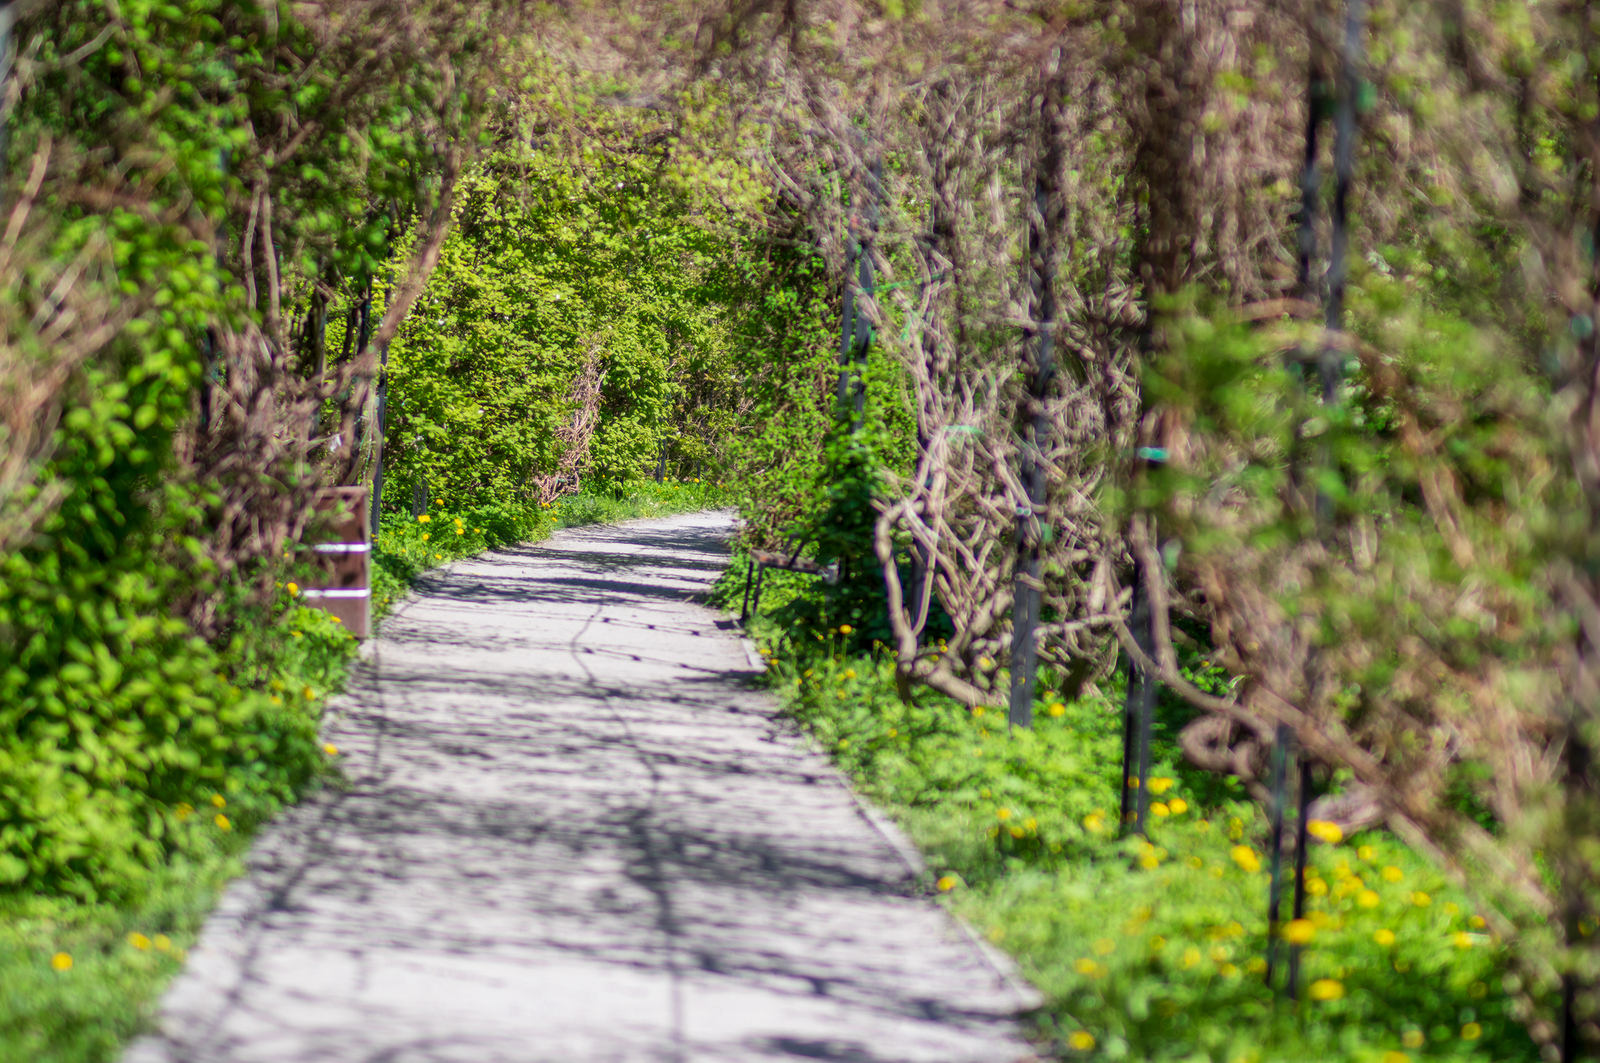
point(1280, 762)
point(749, 574)
point(1136, 720)
point(761, 574)
point(1302, 843)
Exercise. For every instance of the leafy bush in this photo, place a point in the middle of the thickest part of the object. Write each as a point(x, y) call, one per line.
point(106, 754)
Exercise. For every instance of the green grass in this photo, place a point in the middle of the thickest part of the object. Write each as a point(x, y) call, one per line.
point(123, 953)
point(121, 957)
point(1145, 949)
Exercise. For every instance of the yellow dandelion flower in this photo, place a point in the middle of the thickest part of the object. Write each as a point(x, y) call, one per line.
point(1367, 852)
point(1080, 1040)
point(461, 531)
point(336, 620)
point(1159, 785)
point(162, 943)
point(1299, 931)
point(138, 941)
point(184, 810)
point(1178, 806)
point(1158, 943)
point(1031, 823)
point(1392, 874)
point(61, 961)
point(1256, 965)
point(1003, 813)
point(1149, 861)
point(330, 749)
point(1471, 1032)
point(438, 557)
point(293, 589)
point(1476, 922)
point(1368, 898)
point(426, 536)
point(1316, 887)
point(1093, 824)
point(1326, 989)
point(219, 800)
point(844, 743)
point(1383, 937)
point(1202, 825)
point(1057, 709)
point(893, 732)
point(424, 519)
point(275, 700)
point(1246, 858)
point(1195, 862)
point(1322, 830)
point(1463, 940)
point(1191, 957)
point(1158, 808)
point(845, 629)
point(849, 673)
point(1018, 832)
point(1420, 899)
point(1228, 970)
point(1392, 1056)
point(1235, 828)
point(309, 694)
point(222, 822)
point(947, 883)
point(1413, 1038)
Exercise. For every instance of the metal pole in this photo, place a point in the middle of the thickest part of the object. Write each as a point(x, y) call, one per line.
point(855, 330)
point(8, 19)
point(1330, 359)
point(1043, 226)
point(377, 452)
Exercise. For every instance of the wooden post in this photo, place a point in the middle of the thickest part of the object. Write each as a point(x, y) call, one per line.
point(343, 584)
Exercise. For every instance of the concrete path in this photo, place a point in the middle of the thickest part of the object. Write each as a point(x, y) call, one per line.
point(576, 833)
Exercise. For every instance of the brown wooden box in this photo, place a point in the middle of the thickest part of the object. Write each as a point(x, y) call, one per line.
point(343, 584)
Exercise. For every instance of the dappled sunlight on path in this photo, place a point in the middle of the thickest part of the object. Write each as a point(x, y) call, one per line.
point(574, 831)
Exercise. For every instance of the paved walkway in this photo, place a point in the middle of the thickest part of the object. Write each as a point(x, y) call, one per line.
point(576, 833)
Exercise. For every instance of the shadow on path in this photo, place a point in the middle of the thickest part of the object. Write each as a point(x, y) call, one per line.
point(573, 831)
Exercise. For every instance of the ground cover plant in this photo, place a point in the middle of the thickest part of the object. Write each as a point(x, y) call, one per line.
point(1146, 948)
